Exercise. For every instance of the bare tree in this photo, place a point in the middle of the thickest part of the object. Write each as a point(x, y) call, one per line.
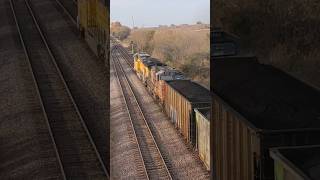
point(119, 30)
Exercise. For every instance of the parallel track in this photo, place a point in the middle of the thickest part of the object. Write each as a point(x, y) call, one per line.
point(139, 163)
point(79, 158)
point(129, 61)
point(155, 165)
point(123, 52)
point(126, 56)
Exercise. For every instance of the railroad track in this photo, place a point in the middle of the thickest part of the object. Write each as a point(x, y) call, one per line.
point(126, 56)
point(129, 61)
point(154, 164)
point(78, 156)
point(139, 163)
point(123, 50)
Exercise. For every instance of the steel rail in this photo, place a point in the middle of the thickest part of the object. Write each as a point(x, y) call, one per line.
point(129, 64)
point(131, 119)
point(74, 21)
point(45, 42)
point(124, 53)
point(127, 81)
point(38, 91)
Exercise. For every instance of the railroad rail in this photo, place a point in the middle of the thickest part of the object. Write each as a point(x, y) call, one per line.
point(70, 9)
point(126, 56)
point(137, 154)
point(154, 164)
point(79, 158)
point(123, 50)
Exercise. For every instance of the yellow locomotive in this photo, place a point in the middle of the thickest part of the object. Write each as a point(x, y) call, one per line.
point(93, 23)
point(139, 67)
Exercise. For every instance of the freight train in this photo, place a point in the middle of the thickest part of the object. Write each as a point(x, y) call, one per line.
point(93, 24)
point(223, 44)
point(178, 96)
point(296, 163)
point(256, 107)
point(252, 107)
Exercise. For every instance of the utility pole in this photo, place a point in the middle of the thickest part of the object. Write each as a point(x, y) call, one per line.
point(132, 23)
point(132, 30)
point(132, 50)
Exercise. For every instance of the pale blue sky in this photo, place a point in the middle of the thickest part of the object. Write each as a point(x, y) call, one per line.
point(149, 13)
